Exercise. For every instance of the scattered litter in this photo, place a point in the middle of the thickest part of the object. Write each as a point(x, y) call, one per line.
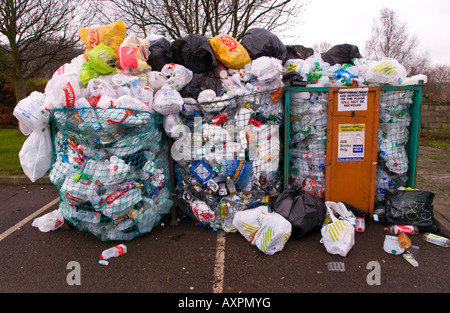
point(335, 266)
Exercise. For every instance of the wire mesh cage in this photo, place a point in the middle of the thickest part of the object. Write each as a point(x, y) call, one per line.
point(308, 118)
point(307, 140)
point(393, 137)
point(227, 156)
point(111, 167)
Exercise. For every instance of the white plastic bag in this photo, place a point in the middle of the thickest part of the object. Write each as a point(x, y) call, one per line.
point(273, 234)
point(36, 154)
point(385, 71)
point(49, 222)
point(266, 68)
point(247, 222)
point(338, 236)
point(31, 114)
point(167, 100)
point(177, 75)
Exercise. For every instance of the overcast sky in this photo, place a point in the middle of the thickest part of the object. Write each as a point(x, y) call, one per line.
point(350, 22)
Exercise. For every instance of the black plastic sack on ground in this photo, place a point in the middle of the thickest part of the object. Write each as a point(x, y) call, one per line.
point(260, 42)
point(160, 54)
point(200, 82)
point(410, 207)
point(304, 211)
point(342, 54)
point(194, 52)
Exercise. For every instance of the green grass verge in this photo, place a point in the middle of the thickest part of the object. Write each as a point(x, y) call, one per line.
point(11, 141)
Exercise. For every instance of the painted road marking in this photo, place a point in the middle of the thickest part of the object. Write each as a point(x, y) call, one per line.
point(219, 266)
point(27, 219)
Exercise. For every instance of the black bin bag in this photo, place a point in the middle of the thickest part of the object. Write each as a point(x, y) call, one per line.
point(410, 207)
point(194, 52)
point(304, 211)
point(260, 42)
point(342, 54)
point(160, 54)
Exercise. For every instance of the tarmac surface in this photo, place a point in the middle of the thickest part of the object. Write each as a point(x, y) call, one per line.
point(186, 261)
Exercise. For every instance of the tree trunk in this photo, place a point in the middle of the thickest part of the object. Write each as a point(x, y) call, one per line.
point(20, 88)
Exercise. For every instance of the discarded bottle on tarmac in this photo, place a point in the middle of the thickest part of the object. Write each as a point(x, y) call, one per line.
point(405, 229)
point(113, 252)
point(360, 225)
point(404, 241)
point(392, 246)
point(436, 239)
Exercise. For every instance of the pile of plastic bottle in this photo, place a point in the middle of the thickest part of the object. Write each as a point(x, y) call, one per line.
point(111, 162)
point(392, 166)
point(216, 106)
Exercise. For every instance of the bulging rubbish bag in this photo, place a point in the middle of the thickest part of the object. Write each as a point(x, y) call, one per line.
point(260, 42)
point(194, 52)
point(36, 154)
point(303, 210)
point(411, 207)
point(384, 71)
point(111, 35)
point(338, 235)
point(248, 221)
point(133, 54)
point(229, 51)
point(273, 234)
point(342, 54)
point(99, 61)
point(31, 113)
point(160, 53)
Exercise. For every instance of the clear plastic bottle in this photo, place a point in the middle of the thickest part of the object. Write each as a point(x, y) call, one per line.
point(230, 185)
point(113, 252)
point(437, 240)
point(399, 229)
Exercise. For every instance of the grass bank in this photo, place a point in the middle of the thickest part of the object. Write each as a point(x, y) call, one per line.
point(11, 141)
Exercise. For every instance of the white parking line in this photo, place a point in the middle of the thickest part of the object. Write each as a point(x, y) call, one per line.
point(27, 219)
point(219, 266)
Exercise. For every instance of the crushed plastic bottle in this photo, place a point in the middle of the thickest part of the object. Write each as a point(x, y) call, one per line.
point(336, 266)
point(399, 229)
point(392, 246)
point(411, 260)
point(113, 252)
point(436, 239)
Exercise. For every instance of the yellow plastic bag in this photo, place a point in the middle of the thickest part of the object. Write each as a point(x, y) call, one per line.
point(111, 35)
point(229, 51)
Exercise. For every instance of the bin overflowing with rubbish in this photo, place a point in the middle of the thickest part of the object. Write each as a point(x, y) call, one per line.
point(227, 145)
point(343, 66)
point(134, 126)
point(109, 153)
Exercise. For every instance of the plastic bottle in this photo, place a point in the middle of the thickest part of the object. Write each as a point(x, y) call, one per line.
point(437, 240)
point(113, 252)
point(230, 185)
point(392, 246)
point(404, 241)
point(87, 113)
point(360, 224)
point(399, 229)
point(408, 257)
